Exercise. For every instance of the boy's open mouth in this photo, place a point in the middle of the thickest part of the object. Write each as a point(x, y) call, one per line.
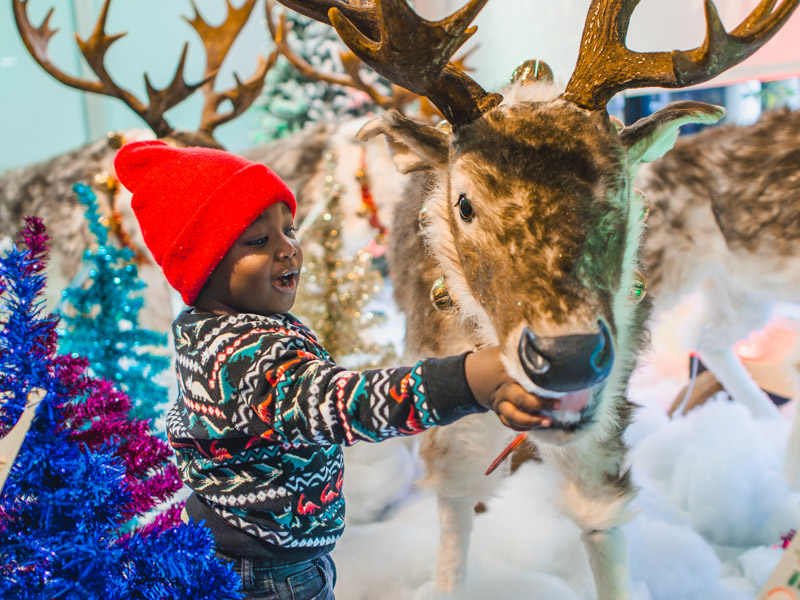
point(286, 282)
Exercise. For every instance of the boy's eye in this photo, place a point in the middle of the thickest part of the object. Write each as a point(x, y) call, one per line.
point(290, 231)
point(259, 242)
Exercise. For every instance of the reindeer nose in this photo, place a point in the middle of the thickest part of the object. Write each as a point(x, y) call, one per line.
point(567, 363)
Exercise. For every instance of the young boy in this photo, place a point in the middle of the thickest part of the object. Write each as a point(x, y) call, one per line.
point(263, 410)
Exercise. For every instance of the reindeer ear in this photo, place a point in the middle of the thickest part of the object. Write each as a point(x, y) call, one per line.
point(652, 137)
point(414, 146)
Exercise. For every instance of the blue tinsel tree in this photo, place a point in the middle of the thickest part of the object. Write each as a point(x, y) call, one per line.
point(79, 476)
point(102, 322)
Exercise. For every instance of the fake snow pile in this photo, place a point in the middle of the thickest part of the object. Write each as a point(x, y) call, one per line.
point(711, 509)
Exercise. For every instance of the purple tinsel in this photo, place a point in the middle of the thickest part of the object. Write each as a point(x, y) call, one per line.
point(85, 472)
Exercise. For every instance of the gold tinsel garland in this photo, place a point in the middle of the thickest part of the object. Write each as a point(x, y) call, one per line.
point(336, 289)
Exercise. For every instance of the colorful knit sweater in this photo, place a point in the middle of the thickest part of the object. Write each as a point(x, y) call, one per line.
point(261, 414)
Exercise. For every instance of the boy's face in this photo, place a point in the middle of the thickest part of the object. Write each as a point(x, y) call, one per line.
point(261, 270)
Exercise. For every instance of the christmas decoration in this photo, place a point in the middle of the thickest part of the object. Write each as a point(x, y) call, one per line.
point(84, 472)
point(336, 289)
point(291, 99)
point(101, 322)
point(440, 297)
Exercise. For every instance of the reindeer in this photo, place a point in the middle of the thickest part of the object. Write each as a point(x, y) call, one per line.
point(724, 222)
point(521, 225)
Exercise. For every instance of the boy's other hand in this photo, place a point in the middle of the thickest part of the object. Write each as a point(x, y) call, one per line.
point(495, 390)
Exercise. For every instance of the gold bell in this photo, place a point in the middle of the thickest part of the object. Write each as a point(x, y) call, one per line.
point(106, 182)
point(115, 140)
point(440, 297)
point(533, 70)
point(642, 197)
point(638, 290)
point(445, 127)
point(423, 214)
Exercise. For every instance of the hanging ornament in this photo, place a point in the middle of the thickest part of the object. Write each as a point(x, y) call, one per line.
point(638, 290)
point(440, 297)
point(445, 127)
point(533, 71)
point(368, 207)
point(641, 197)
point(115, 139)
point(423, 214)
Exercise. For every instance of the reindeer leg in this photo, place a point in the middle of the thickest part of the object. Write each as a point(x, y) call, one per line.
point(608, 558)
point(455, 459)
point(738, 382)
point(455, 528)
point(596, 493)
point(791, 460)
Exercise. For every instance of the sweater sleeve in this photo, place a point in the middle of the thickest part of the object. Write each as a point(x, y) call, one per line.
point(285, 392)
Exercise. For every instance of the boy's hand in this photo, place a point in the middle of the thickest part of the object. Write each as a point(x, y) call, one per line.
point(494, 389)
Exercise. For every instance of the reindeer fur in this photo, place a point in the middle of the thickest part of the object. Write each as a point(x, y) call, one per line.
point(554, 246)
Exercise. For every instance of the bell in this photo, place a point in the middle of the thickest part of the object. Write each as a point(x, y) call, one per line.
point(533, 71)
point(115, 140)
point(638, 290)
point(445, 127)
point(440, 297)
point(644, 201)
point(105, 182)
point(423, 214)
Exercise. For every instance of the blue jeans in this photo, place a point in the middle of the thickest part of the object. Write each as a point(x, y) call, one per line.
point(282, 580)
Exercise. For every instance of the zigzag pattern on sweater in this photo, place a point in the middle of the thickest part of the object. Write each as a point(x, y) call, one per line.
point(328, 473)
point(188, 363)
point(278, 538)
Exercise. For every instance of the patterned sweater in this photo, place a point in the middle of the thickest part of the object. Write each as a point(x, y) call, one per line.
point(259, 422)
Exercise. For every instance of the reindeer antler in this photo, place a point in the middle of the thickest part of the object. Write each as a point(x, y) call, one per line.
point(94, 49)
point(408, 50)
point(217, 42)
point(606, 66)
point(351, 63)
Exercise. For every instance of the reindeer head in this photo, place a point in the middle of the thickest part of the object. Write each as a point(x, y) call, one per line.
point(535, 228)
point(530, 215)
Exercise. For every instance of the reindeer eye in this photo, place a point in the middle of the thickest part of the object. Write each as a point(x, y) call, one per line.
point(465, 208)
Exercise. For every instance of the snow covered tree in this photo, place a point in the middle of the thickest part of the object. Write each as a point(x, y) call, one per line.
point(291, 99)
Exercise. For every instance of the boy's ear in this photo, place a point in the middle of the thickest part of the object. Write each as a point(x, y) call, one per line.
point(652, 137)
point(413, 146)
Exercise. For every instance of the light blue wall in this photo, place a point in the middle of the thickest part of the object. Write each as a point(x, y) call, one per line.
point(40, 117)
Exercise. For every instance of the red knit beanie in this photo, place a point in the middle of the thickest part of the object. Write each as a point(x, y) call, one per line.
point(193, 203)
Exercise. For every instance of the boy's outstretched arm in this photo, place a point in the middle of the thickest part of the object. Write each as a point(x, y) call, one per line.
point(298, 396)
point(278, 384)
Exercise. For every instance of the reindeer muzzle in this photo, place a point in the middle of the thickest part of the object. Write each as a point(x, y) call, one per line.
point(567, 363)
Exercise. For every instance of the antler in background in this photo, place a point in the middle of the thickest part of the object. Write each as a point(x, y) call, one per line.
point(94, 50)
point(217, 42)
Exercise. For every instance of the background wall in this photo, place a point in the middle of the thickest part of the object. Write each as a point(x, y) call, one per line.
point(40, 117)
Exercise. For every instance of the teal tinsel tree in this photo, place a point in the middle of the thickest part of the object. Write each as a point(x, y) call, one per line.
point(84, 471)
point(101, 322)
point(290, 99)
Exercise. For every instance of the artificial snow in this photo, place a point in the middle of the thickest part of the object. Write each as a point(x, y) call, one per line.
point(711, 508)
